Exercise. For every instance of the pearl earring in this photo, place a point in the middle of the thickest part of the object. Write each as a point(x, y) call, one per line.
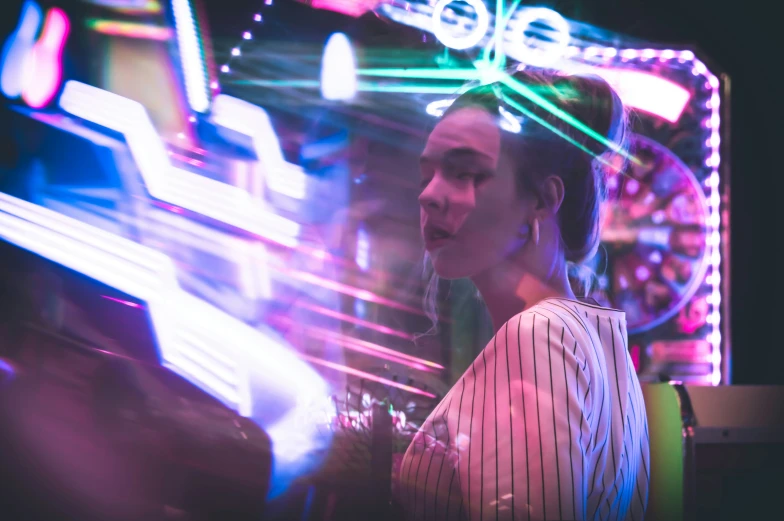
point(535, 231)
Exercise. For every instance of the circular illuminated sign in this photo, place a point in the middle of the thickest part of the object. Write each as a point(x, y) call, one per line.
point(540, 56)
point(469, 40)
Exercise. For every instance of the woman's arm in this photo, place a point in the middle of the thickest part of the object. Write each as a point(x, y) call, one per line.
point(526, 425)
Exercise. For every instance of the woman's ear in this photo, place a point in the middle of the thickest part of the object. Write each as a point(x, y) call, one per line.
point(551, 195)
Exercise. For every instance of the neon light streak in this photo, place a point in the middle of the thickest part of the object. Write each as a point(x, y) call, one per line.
point(308, 84)
point(512, 103)
point(17, 48)
point(130, 29)
point(367, 376)
point(362, 256)
point(353, 8)
point(427, 74)
point(638, 90)
point(364, 346)
point(509, 122)
point(361, 86)
point(193, 66)
point(252, 277)
point(501, 22)
point(354, 320)
point(347, 290)
point(647, 92)
point(437, 108)
point(409, 89)
point(196, 193)
point(529, 93)
point(150, 7)
point(203, 344)
point(45, 61)
point(253, 121)
point(124, 302)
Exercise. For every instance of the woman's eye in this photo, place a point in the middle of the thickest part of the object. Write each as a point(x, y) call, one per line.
point(471, 176)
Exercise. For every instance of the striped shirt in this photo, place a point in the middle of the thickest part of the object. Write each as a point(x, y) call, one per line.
point(547, 423)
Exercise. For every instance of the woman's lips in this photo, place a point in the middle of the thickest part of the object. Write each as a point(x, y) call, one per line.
point(435, 239)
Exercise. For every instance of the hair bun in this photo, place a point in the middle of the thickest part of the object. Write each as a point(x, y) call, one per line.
point(600, 108)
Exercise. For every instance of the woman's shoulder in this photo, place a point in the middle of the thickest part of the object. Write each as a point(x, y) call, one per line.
point(565, 309)
point(538, 321)
point(550, 310)
point(571, 317)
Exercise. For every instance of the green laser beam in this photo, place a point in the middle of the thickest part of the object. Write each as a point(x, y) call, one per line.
point(528, 93)
point(424, 74)
point(409, 89)
point(512, 103)
point(363, 86)
point(296, 84)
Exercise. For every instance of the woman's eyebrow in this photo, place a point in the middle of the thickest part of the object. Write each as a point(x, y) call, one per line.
point(455, 153)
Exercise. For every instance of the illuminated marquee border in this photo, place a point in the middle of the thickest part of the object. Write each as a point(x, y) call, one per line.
point(713, 181)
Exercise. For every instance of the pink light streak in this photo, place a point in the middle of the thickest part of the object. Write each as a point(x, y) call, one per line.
point(363, 374)
point(363, 346)
point(353, 8)
point(45, 60)
point(647, 92)
point(358, 321)
point(320, 254)
point(125, 302)
point(361, 294)
point(185, 159)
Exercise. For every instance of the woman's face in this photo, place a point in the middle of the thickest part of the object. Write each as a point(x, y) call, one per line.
point(470, 210)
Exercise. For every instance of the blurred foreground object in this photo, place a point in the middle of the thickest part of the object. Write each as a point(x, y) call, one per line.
point(96, 432)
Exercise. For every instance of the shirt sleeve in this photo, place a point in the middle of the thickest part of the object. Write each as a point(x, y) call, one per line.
point(526, 438)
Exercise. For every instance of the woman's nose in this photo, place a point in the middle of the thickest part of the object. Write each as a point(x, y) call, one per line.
point(434, 198)
point(442, 196)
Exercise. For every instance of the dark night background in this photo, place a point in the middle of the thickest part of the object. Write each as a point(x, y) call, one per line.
point(738, 38)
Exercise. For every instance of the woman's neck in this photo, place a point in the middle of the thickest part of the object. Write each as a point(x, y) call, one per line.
point(508, 289)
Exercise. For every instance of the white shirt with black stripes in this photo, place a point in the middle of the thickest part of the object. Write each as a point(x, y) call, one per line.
point(548, 423)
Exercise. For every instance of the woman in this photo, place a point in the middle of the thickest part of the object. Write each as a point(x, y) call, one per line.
point(548, 422)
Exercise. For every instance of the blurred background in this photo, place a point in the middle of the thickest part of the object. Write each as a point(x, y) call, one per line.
point(210, 238)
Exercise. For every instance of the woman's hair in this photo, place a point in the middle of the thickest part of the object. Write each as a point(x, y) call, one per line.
point(547, 145)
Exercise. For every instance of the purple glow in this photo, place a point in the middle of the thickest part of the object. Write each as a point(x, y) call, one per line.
point(125, 302)
point(642, 273)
